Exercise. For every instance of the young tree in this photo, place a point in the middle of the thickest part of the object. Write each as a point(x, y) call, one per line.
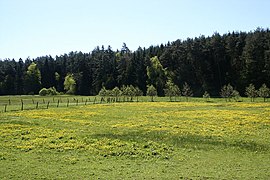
point(264, 92)
point(125, 92)
point(251, 92)
point(70, 84)
point(235, 95)
point(109, 93)
point(103, 92)
point(151, 91)
point(138, 93)
point(131, 92)
point(206, 96)
point(177, 92)
point(227, 92)
point(171, 89)
point(116, 93)
point(187, 92)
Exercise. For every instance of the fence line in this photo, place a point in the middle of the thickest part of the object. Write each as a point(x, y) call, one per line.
point(24, 104)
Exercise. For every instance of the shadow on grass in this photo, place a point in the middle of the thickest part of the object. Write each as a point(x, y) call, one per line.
point(187, 141)
point(207, 143)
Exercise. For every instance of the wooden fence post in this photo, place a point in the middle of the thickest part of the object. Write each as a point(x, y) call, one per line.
point(77, 102)
point(5, 107)
point(9, 102)
point(67, 102)
point(33, 101)
point(48, 104)
point(22, 105)
point(57, 103)
point(85, 101)
point(37, 106)
point(43, 101)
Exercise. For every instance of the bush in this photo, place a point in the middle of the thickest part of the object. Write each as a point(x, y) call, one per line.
point(43, 92)
point(50, 91)
point(102, 92)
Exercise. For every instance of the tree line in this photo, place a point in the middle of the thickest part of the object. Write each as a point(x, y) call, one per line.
point(206, 64)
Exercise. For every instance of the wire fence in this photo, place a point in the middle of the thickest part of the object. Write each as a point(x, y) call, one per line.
point(20, 104)
point(17, 103)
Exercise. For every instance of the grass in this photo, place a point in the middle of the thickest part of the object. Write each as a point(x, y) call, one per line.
point(144, 140)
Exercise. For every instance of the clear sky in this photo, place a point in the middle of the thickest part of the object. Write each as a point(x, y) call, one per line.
point(53, 27)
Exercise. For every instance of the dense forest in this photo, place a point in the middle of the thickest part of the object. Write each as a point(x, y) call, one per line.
point(205, 63)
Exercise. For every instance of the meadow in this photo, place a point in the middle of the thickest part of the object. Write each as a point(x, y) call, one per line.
point(134, 140)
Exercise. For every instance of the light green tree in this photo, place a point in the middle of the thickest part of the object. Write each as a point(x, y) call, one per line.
point(70, 84)
point(156, 74)
point(32, 79)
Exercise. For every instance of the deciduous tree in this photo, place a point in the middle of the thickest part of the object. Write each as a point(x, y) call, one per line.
point(70, 84)
point(264, 92)
point(251, 92)
point(187, 91)
point(151, 91)
point(32, 82)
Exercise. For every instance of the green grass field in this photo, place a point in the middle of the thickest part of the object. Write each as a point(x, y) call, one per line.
point(136, 140)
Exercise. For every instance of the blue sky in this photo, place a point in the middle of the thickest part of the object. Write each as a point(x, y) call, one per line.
point(53, 27)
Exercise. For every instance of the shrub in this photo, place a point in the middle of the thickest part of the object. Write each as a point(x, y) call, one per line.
point(103, 92)
point(43, 92)
point(50, 91)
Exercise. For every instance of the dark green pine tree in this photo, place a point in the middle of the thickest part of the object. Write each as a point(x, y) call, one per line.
point(19, 77)
point(48, 72)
